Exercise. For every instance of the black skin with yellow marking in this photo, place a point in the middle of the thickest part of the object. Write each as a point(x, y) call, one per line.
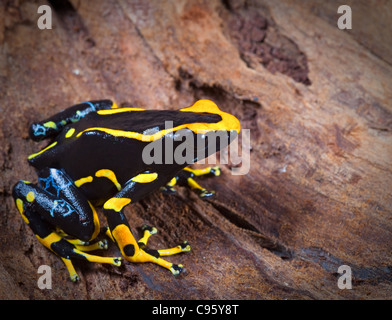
point(95, 159)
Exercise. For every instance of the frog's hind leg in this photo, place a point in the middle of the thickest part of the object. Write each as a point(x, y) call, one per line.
point(169, 187)
point(40, 210)
point(132, 250)
point(186, 177)
point(50, 127)
point(136, 251)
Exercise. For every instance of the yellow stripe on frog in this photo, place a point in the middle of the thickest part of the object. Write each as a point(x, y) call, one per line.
point(106, 173)
point(145, 177)
point(82, 181)
point(19, 205)
point(49, 239)
point(119, 110)
point(30, 196)
point(50, 124)
point(42, 151)
point(70, 132)
point(116, 204)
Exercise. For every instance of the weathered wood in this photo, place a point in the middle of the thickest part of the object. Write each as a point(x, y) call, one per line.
point(317, 101)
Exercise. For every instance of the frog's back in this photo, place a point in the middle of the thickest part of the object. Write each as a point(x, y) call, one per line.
point(83, 146)
point(113, 138)
point(102, 151)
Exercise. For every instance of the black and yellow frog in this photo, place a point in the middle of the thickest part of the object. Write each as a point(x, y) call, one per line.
point(95, 159)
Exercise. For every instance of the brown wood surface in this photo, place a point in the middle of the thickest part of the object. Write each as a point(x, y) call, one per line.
point(317, 101)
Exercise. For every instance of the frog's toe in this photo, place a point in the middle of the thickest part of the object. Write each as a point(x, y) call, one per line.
point(103, 244)
point(150, 230)
point(74, 278)
point(216, 171)
point(168, 190)
point(117, 261)
point(204, 194)
point(155, 256)
point(100, 245)
point(176, 269)
point(185, 246)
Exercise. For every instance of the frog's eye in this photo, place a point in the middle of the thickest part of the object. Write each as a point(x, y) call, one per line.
point(203, 105)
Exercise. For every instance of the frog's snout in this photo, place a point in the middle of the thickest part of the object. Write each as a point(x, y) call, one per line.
point(232, 124)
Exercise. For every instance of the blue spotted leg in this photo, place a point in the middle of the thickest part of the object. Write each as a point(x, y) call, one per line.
point(52, 126)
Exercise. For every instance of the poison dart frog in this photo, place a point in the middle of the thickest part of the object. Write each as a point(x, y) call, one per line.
point(95, 158)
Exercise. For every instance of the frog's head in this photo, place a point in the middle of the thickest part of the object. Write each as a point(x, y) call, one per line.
point(215, 129)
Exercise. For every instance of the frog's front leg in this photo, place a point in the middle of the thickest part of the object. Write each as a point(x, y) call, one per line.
point(120, 232)
point(52, 126)
point(57, 204)
point(186, 177)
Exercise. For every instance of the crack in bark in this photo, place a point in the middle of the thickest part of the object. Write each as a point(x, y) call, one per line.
point(264, 241)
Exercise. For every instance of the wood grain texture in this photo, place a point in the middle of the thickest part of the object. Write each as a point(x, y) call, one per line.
point(317, 101)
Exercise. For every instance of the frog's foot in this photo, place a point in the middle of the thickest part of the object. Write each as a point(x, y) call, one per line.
point(203, 193)
point(189, 174)
point(168, 188)
point(149, 231)
point(69, 249)
point(154, 256)
point(186, 177)
point(143, 254)
point(83, 245)
point(76, 249)
point(86, 246)
point(76, 253)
